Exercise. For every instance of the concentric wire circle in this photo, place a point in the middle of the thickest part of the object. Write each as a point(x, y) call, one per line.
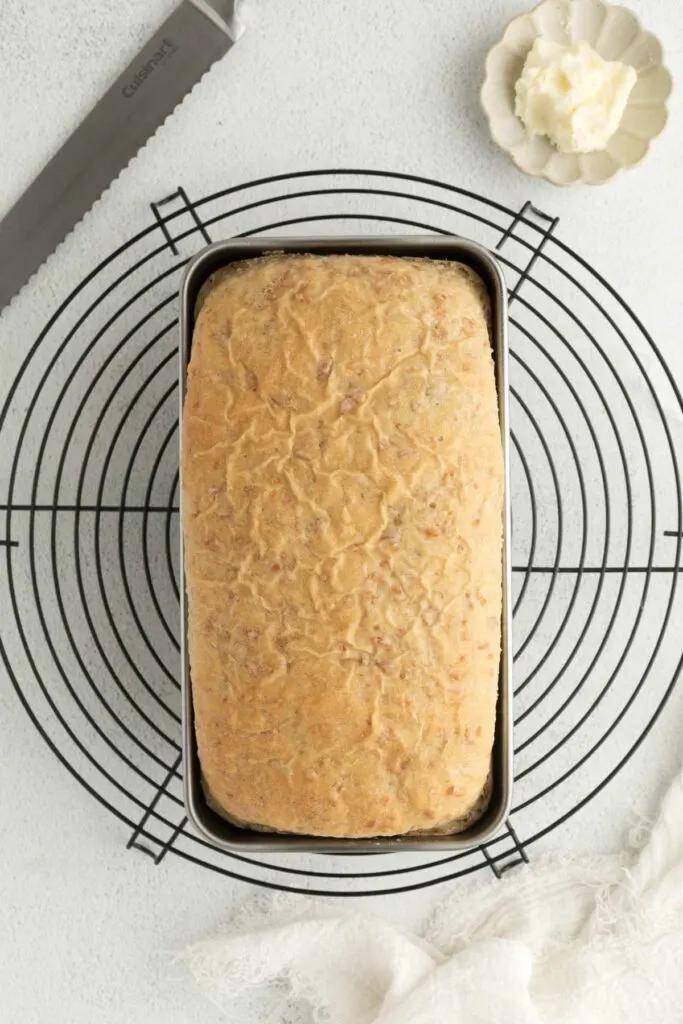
point(90, 431)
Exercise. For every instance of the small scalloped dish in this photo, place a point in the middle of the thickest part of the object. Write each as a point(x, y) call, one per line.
point(616, 34)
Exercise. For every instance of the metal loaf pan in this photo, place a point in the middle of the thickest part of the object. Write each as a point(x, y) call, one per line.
point(211, 825)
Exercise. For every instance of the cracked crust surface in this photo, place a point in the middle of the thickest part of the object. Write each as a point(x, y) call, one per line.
point(342, 484)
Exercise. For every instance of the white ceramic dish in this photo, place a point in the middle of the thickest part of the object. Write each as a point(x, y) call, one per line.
point(616, 34)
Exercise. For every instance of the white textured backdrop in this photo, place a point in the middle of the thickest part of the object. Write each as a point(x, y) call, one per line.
point(371, 83)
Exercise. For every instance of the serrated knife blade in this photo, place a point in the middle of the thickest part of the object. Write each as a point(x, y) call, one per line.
point(192, 38)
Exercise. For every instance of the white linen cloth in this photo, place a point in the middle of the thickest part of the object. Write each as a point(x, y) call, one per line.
point(565, 941)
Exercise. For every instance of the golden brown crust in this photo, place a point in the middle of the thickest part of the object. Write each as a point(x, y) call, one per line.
point(342, 489)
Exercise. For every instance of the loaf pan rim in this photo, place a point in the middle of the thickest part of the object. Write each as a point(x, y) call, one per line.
point(218, 831)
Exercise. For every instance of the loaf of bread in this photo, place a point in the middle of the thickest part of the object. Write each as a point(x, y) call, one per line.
point(342, 481)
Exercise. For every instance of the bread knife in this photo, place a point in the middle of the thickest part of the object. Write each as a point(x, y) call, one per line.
point(193, 37)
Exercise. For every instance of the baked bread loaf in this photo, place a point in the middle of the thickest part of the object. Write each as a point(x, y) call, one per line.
point(342, 482)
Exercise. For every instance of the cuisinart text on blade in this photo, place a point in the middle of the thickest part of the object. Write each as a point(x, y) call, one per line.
point(195, 35)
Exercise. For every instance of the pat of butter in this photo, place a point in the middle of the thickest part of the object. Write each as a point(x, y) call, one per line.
point(572, 95)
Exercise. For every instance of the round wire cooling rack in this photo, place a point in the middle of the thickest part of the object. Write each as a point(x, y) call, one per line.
point(91, 532)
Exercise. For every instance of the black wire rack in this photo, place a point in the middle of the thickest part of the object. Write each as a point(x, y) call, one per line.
point(91, 533)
